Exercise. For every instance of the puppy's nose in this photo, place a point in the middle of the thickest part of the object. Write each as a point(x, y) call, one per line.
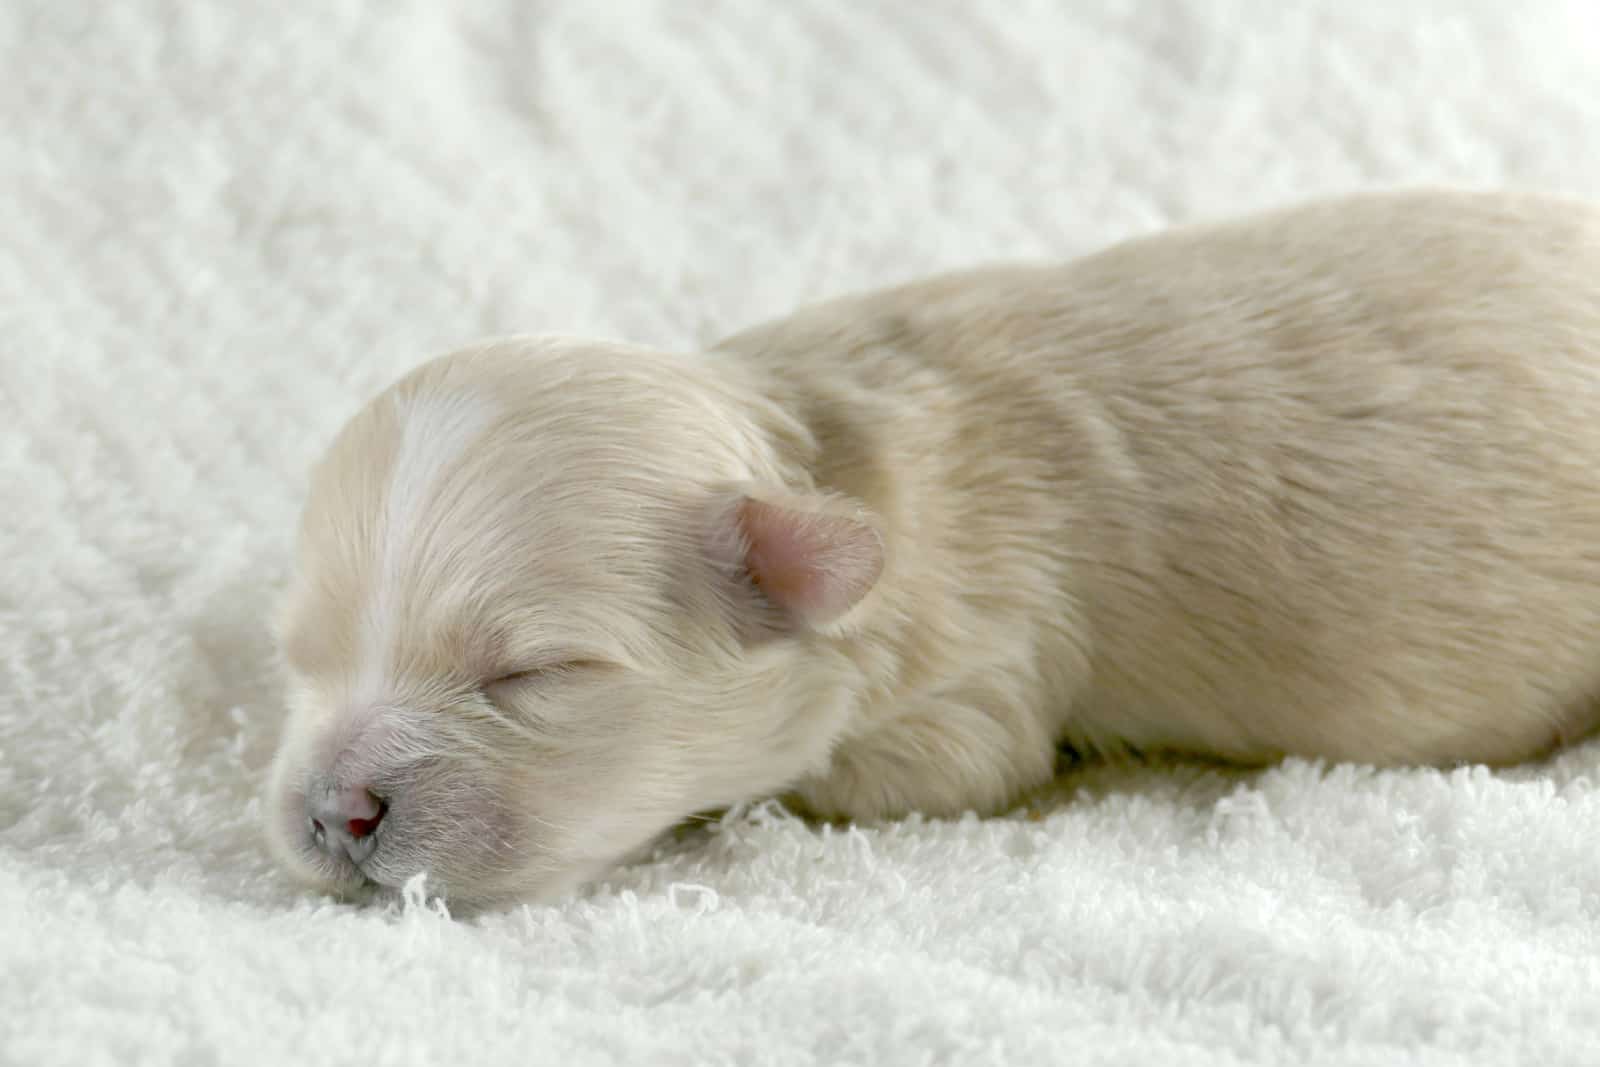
point(342, 820)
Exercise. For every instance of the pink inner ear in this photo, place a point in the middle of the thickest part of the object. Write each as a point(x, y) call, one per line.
point(815, 566)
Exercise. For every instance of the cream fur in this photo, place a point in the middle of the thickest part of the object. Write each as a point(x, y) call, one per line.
point(1319, 482)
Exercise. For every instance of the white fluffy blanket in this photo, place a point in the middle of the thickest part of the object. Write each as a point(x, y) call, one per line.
point(223, 225)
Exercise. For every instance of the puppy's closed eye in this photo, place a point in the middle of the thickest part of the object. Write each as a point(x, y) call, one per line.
point(544, 674)
point(540, 696)
point(525, 676)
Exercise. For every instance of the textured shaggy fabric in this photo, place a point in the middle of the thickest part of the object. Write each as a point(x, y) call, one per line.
point(222, 226)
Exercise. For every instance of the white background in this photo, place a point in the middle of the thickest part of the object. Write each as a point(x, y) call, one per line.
point(222, 226)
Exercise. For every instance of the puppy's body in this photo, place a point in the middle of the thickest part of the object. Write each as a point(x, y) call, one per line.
point(1324, 483)
point(1321, 482)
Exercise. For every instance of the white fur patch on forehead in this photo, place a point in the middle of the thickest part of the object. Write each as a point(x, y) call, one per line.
point(435, 429)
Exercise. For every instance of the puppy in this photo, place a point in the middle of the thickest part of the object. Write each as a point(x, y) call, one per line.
point(1322, 482)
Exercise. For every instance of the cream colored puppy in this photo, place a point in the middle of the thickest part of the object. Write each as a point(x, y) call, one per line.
point(1324, 481)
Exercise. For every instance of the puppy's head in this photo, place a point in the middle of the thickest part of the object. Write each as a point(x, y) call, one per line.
point(552, 597)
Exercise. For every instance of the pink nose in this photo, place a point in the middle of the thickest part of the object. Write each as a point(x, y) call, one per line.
point(342, 820)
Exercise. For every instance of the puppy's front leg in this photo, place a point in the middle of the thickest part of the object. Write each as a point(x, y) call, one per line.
point(939, 755)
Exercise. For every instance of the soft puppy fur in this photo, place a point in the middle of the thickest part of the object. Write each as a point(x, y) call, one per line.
point(1320, 482)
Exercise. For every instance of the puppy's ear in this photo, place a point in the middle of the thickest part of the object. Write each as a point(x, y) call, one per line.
point(811, 559)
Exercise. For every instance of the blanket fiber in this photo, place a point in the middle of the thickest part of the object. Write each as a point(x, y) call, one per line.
point(223, 226)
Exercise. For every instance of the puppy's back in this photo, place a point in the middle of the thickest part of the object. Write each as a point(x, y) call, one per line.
point(1324, 481)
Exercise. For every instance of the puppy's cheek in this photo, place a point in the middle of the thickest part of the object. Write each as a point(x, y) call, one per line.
point(528, 845)
point(621, 829)
point(460, 825)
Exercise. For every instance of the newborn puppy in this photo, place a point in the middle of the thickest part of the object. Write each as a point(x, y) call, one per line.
point(1322, 482)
